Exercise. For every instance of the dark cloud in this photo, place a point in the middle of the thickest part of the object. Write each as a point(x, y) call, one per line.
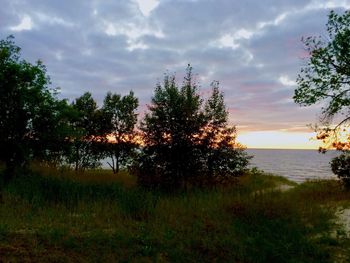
point(251, 47)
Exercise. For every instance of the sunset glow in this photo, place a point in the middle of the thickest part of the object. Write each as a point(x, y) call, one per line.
point(118, 46)
point(279, 140)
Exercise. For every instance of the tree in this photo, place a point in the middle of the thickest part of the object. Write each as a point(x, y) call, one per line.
point(326, 78)
point(341, 167)
point(26, 108)
point(119, 118)
point(84, 143)
point(181, 136)
point(224, 157)
point(169, 127)
point(53, 132)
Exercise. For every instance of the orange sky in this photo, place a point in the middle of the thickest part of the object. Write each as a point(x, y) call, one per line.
point(279, 140)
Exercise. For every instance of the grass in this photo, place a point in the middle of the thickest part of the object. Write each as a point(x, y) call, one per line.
point(60, 216)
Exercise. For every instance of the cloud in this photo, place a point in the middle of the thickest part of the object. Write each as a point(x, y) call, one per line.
point(146, 6)
point(286, 81)
point(25, 24)
point(251, 47)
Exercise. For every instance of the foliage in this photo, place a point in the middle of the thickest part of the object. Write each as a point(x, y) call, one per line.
point(28, 108)
point(185, 140)
point(119, 119)
point(341, 167)
point(326, 78)
point(56, 134)
point(169, 128)
point(85, 151)
point(224, 157)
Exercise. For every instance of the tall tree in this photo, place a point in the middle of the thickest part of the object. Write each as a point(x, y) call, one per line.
point(170, 126)
point(119, 117)
point(181, 133)
point(326, 78)
point(26, 107)
point(53, 131)
point(216, 115)
point(84, 150)
point(224, 157)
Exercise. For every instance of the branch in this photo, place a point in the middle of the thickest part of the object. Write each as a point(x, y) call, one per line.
point(337, 67)
point(342, 122)
point(326, 95)
point(112, 166)
point(340, 94)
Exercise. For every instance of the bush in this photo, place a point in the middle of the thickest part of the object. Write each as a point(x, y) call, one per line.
point(341, 167)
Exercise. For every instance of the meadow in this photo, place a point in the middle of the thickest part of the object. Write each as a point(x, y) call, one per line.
point(61, 216)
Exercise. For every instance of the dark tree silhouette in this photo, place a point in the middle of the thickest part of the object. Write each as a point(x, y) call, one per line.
point(27, 108)
point(326, 78)
point(224, 157)
point(185, 143)
point(119, 119)
point(84, 143)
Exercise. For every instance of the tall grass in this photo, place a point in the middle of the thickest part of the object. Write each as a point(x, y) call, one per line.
point(71, 189)
point(96, 216)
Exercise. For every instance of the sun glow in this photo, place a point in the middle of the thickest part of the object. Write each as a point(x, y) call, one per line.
point(279, 140)
point(135, 138)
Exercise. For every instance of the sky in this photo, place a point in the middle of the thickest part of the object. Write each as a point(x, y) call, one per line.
point(253, 48)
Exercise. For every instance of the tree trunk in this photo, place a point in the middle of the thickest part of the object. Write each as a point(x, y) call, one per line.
point(117, 164)
point(112, 165)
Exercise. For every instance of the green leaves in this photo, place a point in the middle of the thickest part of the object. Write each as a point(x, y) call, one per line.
point(119, 119)
point(26, 106)
point(187, 139)
point(326, 77)
point(215, 108)
point(120, 112)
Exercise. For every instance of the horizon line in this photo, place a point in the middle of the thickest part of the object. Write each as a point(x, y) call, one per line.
point(267, 148)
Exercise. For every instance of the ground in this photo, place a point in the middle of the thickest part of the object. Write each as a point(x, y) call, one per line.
point(97, 217)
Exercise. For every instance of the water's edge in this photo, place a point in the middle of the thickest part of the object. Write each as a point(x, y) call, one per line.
point(296, 165)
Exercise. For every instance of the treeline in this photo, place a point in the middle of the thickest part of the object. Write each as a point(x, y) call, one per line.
point(182, 139)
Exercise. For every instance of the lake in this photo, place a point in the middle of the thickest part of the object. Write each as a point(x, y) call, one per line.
point(296, 165)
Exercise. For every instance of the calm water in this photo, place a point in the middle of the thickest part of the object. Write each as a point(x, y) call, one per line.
point(296, 165)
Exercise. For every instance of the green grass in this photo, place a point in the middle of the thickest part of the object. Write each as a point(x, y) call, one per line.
point(54, 216)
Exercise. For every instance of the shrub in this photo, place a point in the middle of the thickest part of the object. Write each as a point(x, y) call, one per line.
point(341, 167)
